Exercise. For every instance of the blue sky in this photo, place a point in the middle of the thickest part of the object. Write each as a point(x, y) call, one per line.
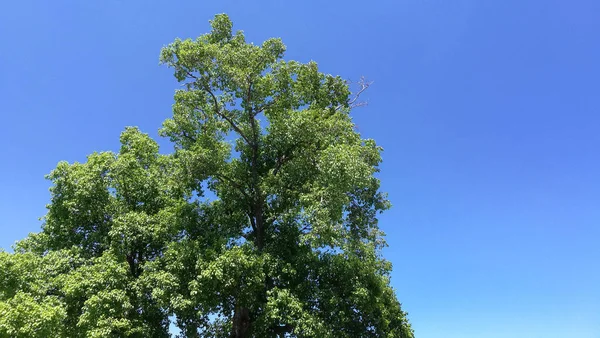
point(487, 110)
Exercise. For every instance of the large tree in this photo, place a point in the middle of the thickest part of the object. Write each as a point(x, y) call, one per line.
point(261, 223)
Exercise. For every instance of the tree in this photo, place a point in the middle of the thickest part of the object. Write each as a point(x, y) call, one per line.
point(261, 223)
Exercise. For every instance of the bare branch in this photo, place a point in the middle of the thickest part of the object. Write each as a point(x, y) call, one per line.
point(354, 103)
point(364, 85)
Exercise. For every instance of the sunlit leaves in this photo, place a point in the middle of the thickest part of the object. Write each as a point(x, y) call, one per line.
point(27, 316)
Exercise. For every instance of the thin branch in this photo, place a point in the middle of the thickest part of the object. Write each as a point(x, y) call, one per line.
point(221, 114)
point(307, 228)
point(188, 136)
point(267, 105)
point(280, 162)
point(277, 329)
point(217, 109)
point(364, 85)
point(190, 74)
point(222, 177)
point(284, 158)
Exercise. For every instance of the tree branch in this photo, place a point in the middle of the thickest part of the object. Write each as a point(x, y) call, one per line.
point(252, 222)
point(225, 117)
point(282, 329)
point(306, 228)
point(222, 177)
point(265, 106)
point(218, 111)
point(188, 136)
point(249, 99)
point(364, 85)
point(284, 158)
point(257, 194)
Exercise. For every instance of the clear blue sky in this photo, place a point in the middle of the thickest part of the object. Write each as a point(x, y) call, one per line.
point(488, 112)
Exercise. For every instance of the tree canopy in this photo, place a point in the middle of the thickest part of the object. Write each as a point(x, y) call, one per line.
point(262, 222)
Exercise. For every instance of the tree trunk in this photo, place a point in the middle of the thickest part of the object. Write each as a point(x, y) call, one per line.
point(241, 323)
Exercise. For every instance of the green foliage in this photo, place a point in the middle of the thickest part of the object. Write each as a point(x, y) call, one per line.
point(287, 245)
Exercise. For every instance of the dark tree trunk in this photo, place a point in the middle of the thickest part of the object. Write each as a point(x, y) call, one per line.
point(241, 323)
point(132, 264)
